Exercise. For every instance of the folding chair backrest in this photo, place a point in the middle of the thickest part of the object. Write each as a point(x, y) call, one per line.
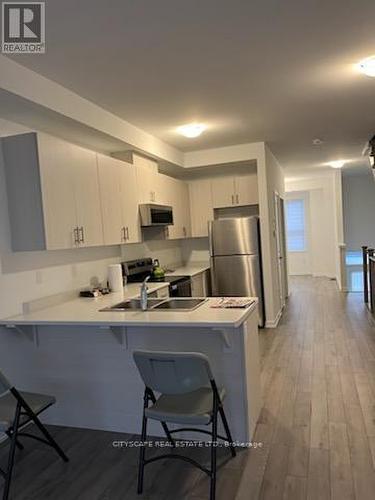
point(5, 385)
point(173, 372)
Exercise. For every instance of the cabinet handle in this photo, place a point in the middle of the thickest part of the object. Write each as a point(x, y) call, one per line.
point(127, 232)
point(82, 235)
point(167, 232)
point(123, 233)
point(76, 235)
point(237, 199)
point(184, 230)
point(232, 199)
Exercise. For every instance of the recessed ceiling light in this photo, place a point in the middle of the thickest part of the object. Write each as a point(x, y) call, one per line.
point(191, 129)
point(317, 142)
point(337, 163)
point(367, 66)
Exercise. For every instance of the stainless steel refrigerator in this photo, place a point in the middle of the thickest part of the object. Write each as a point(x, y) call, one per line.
point(236, 266)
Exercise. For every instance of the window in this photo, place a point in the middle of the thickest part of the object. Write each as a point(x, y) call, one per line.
point(295, 225)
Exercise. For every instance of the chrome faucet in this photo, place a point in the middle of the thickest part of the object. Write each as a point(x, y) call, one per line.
point(143, 293)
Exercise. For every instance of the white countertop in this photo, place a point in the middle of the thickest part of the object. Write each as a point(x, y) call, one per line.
point(191, 269)
point(86, 312)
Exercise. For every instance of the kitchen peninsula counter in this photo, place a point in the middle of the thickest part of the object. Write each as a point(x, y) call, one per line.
point(85, 358)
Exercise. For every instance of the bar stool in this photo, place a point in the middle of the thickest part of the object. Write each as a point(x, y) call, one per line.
point(188, 396)
point(17, 410)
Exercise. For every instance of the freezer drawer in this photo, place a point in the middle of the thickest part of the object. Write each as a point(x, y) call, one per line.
point(234, 236)
point(238, 276)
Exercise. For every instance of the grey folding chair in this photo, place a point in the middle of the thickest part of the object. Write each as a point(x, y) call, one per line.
point(18, 410)
point(188, 396)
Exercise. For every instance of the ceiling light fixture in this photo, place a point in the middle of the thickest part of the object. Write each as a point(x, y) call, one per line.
point(191, 130)
point(337, 163)
point(367, 66)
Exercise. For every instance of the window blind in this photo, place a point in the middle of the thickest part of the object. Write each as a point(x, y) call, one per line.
point(295, 225)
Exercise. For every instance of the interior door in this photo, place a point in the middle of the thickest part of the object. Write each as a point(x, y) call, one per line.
point(280, 248)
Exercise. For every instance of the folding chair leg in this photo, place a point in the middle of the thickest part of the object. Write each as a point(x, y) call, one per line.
point(12, 452)
point(164, 425)
point(227, 431)
point(142, 452)
point(49, 438)
point(18, 444)
point(213, 456)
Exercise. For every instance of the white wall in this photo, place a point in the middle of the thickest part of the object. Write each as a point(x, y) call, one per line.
point(359, 210)
point(324, 224)
point(270, 180)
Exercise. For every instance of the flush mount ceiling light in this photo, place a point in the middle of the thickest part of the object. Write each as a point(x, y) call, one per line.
point(367, 66)
point(191, 129)
point(337, 163)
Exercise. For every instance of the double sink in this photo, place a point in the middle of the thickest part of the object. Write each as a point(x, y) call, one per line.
point(171, 304)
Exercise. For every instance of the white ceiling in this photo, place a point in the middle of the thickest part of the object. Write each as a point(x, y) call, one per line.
point(260, 70)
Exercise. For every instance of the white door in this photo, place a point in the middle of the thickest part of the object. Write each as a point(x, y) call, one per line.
point(246, 187)
point(223, 192)
point(280, 250)
point(201, 206)
point(111, 200)
point(87, 194)
point(129, 203)
point(59, 208)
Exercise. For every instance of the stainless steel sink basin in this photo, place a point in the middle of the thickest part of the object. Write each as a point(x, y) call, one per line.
point(172, 304)
point(179, 304)
point(132, 304)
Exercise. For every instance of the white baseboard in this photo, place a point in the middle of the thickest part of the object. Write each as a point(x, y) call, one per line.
point(275, 322)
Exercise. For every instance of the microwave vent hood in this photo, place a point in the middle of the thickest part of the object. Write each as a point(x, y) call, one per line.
point(155, 215)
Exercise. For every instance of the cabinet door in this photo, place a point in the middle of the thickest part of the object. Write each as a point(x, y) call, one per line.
point(146, 173)
point(223, 192)
point(197, 287)
point(57, 181)
point(247, 189)
point(173, 197)
point(201, 206)
point(111, 202)
point(87, 196)
point(129, 203)
point(185, 210)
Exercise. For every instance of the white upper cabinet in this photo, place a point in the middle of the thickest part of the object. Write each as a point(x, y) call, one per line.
point(119, 200)
point(178, 193)
point(201, 206)
point(147, 179)
point(110, 197)
point(129, 203)
point(223, 192)
point(246, 189)
point(57, 189)
point(86, 188)
point(53, 193)
point(235, 191)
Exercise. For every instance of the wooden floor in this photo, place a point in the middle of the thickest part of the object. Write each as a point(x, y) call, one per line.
point(317, 426)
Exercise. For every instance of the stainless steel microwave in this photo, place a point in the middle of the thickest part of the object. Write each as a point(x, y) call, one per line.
point(156, 215)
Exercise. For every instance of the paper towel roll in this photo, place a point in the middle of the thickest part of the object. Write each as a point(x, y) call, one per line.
point(115, 278)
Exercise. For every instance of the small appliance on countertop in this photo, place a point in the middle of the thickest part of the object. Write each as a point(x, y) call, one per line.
point(135, 271)
point(158, 272)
